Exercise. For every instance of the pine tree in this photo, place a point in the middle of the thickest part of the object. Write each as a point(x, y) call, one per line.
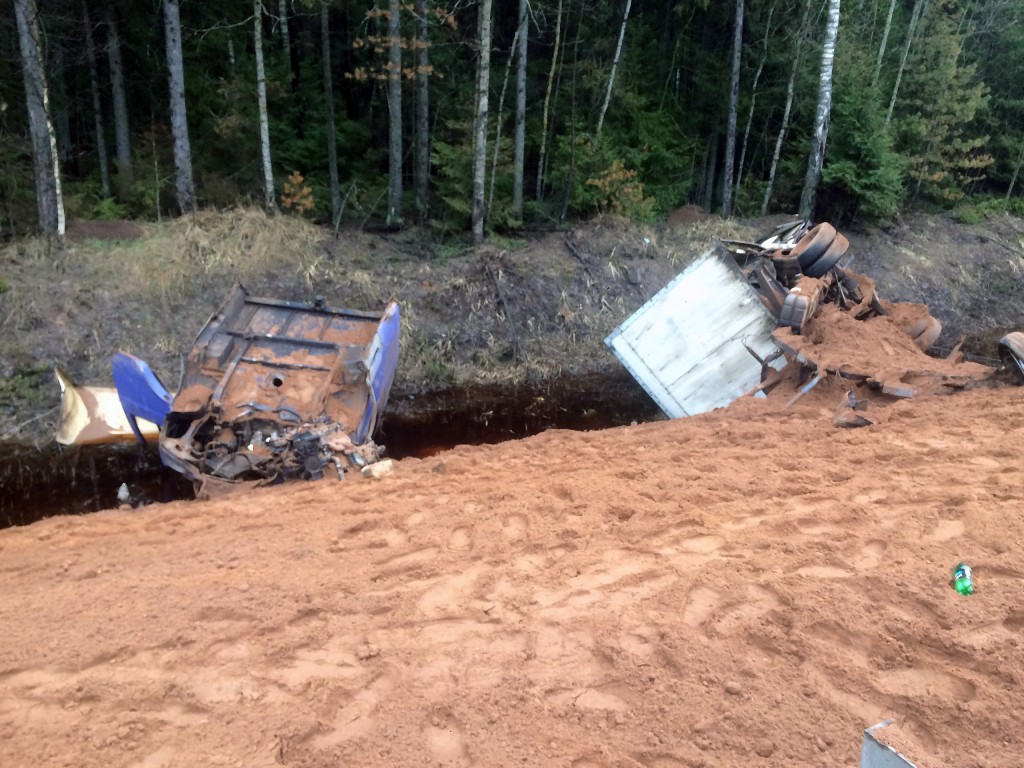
point(934, 120)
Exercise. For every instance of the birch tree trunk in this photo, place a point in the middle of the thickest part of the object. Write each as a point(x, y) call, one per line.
point(498, 120)
point(783, 128)
point(286, 43)
point(915, 16)
point(734, 104)
point(1016, 173)
point(520, 139)
point(122, 136)
point(819, 138)
point(615, 64)
point(711, 163)
point(394, 217)
point(753, 101)
point(421, 167)
point(59, 102)
point(179, 116)
point(885, 41)
point(49, 200)
point(269, 202)
point(483, 76)
point(332, 142)
point(542, 157)
point(97, 109)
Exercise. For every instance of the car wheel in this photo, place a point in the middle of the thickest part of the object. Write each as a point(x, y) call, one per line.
point(820, 266)
point(925, 332)
point(814, 244)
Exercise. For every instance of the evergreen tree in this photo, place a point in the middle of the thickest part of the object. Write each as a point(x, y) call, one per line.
point(934, 121)
point(863, 174)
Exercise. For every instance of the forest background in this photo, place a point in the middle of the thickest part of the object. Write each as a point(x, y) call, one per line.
point(465, 116)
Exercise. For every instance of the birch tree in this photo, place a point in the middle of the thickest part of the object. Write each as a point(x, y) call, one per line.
point(615, 64)
point(286, 41)
point(542, 157)
point(819, 137)
point(753, 102)
point(784, 127)
point(1016, 173)
point(421, 162)
point(520, 138)
point(483, 78)
point(332, 141)
point(915, 16)
point(269, 203)
point(734, 99)
point(97, 109)
point(122, 136)
point(179, 117)
point(498, 119)
point(394, 217)
point(49, 198)
point(885, 41)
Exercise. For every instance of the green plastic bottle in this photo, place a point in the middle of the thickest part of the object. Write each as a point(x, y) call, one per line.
point(963, 579)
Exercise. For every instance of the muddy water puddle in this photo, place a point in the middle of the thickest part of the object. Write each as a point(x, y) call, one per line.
point(41, 480)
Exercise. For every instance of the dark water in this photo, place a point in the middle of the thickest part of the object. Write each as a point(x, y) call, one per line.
point(37, 481)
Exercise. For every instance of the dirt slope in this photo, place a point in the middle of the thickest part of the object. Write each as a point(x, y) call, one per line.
point(513, 329)
point(748, 587)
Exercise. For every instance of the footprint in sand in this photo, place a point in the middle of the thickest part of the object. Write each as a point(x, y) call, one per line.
point(699, 605)
point(823, 572)
point(450, 597)
point(993, 633)
point(925, 681)
point(815, 527)
point(461, 539)
point(704, 545)
point(870, 554)
point(357, 719)
point(856, 645)
point(741, 523)
point(445, 742)
point(611, 697)
point(514, 527)
point(1015, 621)
point(948, 529)
point(396, 538)
point(870, 497)
point(759, 601)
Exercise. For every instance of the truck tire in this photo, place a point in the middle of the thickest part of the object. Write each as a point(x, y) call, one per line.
point(820, 266)
point(812, 245)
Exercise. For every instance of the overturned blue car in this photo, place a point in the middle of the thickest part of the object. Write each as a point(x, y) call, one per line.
point(271, 391)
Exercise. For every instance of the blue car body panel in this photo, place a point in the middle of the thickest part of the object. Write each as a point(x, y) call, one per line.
point(141, 393)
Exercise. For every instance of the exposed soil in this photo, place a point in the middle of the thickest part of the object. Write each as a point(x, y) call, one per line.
point(518, 319)
point(748, 587)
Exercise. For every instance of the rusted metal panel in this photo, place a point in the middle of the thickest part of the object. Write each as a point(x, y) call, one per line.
point(275, 389)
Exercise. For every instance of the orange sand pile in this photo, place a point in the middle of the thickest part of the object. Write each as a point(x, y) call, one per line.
point(749, 587)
